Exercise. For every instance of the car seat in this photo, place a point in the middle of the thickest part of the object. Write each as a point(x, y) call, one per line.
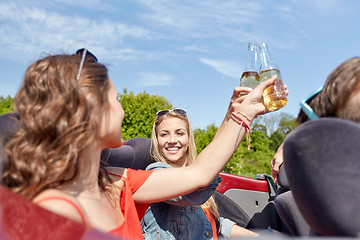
point(135, 154)
point(8, 125)
point(322, 164)
point(287, 209)
point(289, 212)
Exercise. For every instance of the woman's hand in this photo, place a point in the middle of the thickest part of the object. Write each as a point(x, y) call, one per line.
point(238, 96)
point(276, 162)
point(252, 104)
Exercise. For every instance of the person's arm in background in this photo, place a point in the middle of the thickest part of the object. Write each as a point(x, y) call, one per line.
point(276, 163)
point(228, 229)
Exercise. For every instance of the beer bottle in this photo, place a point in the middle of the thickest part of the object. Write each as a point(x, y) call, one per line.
point(274, 96)
point(250, 76)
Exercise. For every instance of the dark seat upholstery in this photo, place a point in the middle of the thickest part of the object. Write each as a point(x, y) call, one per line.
point(287, 209)
point(322, 164)
point(134, 154)
point(8, 125)
point(290, 214)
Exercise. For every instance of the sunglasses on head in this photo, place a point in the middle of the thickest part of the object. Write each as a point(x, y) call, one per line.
point(84, 54)
point(176, 110)
point(306, 107)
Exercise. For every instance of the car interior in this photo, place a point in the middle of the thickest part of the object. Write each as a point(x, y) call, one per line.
point(320, 159)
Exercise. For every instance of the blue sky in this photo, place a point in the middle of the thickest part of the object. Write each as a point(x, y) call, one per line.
point(191, 52)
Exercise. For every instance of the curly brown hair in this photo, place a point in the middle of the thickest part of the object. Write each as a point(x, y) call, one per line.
point(57, 123)
point(333, 100)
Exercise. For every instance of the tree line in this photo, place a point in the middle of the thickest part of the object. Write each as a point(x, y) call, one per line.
point(268, 131)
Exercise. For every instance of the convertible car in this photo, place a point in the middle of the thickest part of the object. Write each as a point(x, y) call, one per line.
point(318, 195)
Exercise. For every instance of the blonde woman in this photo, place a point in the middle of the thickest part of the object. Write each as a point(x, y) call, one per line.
point(192, 216)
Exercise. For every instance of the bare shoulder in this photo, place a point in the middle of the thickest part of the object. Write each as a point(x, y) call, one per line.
point(60, 203)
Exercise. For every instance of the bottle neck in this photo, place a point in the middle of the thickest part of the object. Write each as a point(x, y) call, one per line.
point(251, 58)
point(265, 55)
point(266, 62)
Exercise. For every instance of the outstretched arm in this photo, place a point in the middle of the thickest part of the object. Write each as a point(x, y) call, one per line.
point(164, 184)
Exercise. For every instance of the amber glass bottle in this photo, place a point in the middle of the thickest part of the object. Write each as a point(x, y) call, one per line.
point(274, 96)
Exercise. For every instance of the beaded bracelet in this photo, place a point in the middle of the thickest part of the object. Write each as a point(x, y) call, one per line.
point(238, 117)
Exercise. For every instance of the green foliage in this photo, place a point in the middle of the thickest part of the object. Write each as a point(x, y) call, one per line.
point(204, 137)
point(286, 125)
point(277, 138)
point(260, 127)
point(257, 159)
point(140, 110)
point(244, 162)
point(6, 104)
point(140, 113)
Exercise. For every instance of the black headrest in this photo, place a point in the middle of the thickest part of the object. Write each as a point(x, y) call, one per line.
point(134, 154)
point(322, 160)
point(8, 125)
point(282, 178)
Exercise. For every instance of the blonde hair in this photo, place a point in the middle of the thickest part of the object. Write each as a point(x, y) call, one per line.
point(57, 123)
point(190, 152)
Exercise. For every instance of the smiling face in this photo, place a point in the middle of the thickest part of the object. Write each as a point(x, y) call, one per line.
point(173, 140)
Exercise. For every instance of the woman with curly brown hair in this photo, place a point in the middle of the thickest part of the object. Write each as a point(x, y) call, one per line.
point(69, 112)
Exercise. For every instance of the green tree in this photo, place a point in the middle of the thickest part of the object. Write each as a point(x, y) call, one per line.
point(258, 126)
point(277, 138)
point(204, 137)
point(286, 124)
point(244, 162)
point(6, 104)
point(257, 159)
point(140, 113)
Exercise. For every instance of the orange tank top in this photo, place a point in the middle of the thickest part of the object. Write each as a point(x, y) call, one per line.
point(70, 202)
point(212, 220)
point(130, 228)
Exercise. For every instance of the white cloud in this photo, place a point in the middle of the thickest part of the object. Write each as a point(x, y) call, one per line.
point(228, 68)
point(203, 18)
point(196, 48)
point(29, 29)
point(149, 79)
